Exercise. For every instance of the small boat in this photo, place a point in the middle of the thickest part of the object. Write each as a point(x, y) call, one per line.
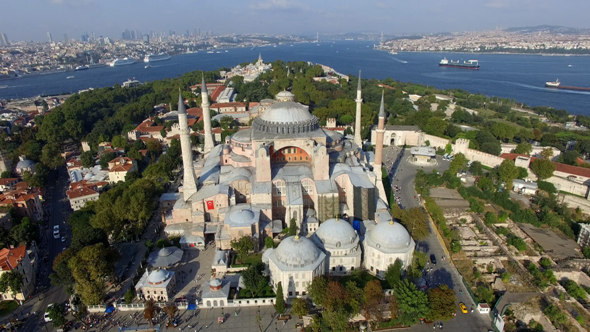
point(569, 65)
point(553, 84)
point(3, 86)
point(69, 77)
point(147, 66)
point(218, 52)
point(226, 51)
point(210, 52)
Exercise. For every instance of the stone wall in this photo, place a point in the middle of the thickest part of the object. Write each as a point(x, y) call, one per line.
point(574, 201)
point(569, 186)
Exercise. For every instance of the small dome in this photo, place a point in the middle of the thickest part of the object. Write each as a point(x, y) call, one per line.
point(215, 284)
point(336, 233)
point(390, 236)
point(25, 163)
point(165, 252)
point(285, 96)
point(158, 276)
point(245, 216)
point(296, 252)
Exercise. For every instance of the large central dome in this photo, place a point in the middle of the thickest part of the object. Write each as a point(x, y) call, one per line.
point(286, 117)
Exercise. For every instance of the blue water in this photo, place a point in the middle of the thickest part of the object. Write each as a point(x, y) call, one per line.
point(520, 77)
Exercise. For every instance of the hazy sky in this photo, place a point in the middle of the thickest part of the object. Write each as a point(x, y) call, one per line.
point(32, 19)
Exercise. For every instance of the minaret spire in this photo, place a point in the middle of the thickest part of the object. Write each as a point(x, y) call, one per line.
point(190, 180)
point(209, 143)
point(380, 133)
point(357, 124)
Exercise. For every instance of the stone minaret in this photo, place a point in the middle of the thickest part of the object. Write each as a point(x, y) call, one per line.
point(357, 124)
point(209, 144)
point(380, 132)
point(190, 180)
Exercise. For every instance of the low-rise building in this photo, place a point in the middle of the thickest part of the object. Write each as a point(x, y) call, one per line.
point(83, 191)
point(23, 261)
point(158, 285)
point(584, 237)
point(120, 167)
point(524, 187)
point(26, 200)
point(423, 154)
point(8, 184)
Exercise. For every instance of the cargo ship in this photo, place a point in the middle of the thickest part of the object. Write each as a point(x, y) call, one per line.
point(123, 62)
point(156, 57)
point(557, 85)
point(469, 64)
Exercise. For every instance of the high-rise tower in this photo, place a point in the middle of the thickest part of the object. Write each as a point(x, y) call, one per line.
point(209, 144)
point(380, 133)
point(49, 37)
point(190, 180)
point(357, 123)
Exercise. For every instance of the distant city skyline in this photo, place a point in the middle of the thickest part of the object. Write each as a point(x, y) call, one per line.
point(35, 19)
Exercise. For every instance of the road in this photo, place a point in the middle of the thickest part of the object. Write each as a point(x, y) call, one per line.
point(57, 211)
point(402, 174)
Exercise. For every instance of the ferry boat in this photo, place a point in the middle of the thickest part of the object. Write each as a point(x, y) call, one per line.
point(469, 64)
point(81, 68)
point(393, 52)
point(553, 84)
point(123, 62)
point(156, 57)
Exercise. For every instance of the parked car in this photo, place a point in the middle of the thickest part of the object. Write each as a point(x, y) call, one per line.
point(56, 232)
point(433, 259)
point(46, 315)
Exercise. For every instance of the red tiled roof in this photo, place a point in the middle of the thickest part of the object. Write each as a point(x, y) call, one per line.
point(559, 167)
point(197, 112)
point(80, 192)
point(216, 130)
point(218, 90)
point(121, 168)
point(386, 86)
point(10, 258)
point(253, 103)
point(233, 104)
point(512, 156)
point(209, 85)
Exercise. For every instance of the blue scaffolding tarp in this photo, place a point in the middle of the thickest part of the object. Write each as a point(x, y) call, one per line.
point(108, 310)
point(191, 306)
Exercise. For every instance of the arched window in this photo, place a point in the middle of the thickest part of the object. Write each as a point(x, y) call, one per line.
point(308, 187)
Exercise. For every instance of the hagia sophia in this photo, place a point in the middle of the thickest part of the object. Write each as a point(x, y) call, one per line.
point(286, 167)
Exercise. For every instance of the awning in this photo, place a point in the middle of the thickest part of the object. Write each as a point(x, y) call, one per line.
point(108, 310)
point(191, 306)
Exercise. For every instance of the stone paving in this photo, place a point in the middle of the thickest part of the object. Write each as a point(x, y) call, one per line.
point(194, 263)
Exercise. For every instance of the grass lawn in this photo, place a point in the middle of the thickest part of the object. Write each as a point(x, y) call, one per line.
point(266, 292)
point(249, 260)
point(7, 307)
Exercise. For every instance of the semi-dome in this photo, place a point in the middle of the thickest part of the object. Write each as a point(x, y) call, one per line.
point(245, 217)
point(296, 252)
point(336, 233)
point(165, 252)
point(390, 236)
point(158, 277)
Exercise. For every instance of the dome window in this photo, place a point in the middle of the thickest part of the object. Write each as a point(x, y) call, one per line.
point(338, 244)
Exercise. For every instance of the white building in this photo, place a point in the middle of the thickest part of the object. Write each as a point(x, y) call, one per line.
point(295, 263)
point(340, 242)
point(584, 237)
point(385, 241)
point(158, 285)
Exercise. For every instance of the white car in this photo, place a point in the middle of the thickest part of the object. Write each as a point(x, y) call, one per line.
point(56, 232)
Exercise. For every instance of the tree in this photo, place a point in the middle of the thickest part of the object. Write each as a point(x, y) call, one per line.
point(129, 295)
point(242, 246)
point(545, 262)
point(105, 158)
point(458, 163)
point(6, 175)
point(485, 294)
point(62, 273)
point(336, 296)
point(268, 242)
point(393, 275)
point(299, 307)
point(508, 172)
point(293, 227)
point(412, 303)
point(569, 157)
point(253, 279)
point(547, 153)
point(436, 126)
point(523, 148)
point(490, 218)
point(51, 156)
point(317, 289)
point(149, 311)
point(414, 220)
point(87, 159)
point(442, 302)
point(89, 268)
point(12, 281)
point(476, 168)
point(26, 231)
point(280, 300)
point(506, 276)
point(57, 314)
point(171, 311)
point(574, 290)
point(373, 298)
point(337, 320)
point(543, 168)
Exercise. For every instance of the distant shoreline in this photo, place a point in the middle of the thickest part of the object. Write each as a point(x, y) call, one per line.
point(498, 53)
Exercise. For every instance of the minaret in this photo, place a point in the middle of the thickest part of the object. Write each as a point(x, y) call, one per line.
point(209, 144)
point(190, 180)
point(357, 124)
point(380, 132)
